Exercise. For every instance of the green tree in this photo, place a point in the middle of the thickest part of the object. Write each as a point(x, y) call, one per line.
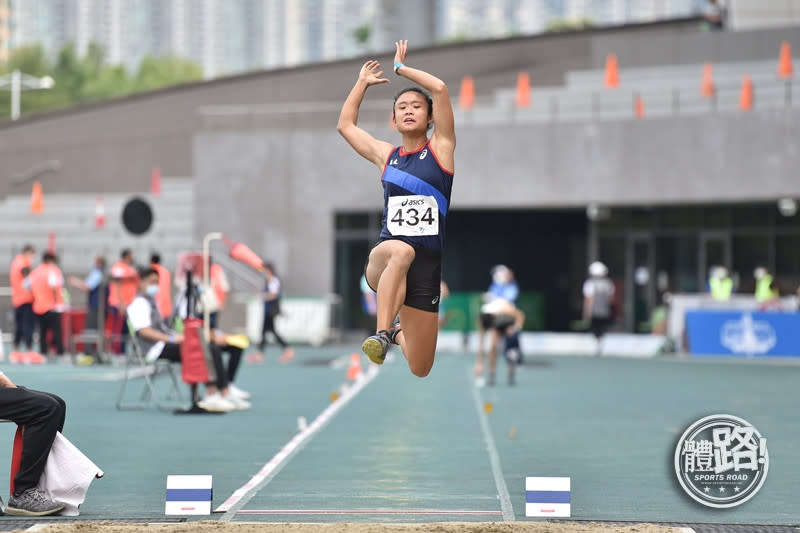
point(88, 78)
point(361, 34)
point(157, 72)
point(559, 25)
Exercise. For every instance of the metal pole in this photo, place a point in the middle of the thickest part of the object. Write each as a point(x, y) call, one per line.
point(16, 88)
point(206, 279)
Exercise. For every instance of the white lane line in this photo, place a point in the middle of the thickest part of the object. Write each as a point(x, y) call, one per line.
point(243, 494)
point(686, 530)
point(494, 458)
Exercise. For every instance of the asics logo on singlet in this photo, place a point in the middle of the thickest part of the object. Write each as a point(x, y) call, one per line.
point(423, 154)
point(412, 202)
point(393, 161)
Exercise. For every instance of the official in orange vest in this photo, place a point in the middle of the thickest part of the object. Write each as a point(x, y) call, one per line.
point(22, 300)
point(164, 296)
point(46, 283)
point(121, 292)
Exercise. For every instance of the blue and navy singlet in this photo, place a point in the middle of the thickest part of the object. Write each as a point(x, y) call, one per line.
point(413, 183)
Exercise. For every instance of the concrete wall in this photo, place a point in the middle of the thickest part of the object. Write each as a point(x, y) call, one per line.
point(279, 191)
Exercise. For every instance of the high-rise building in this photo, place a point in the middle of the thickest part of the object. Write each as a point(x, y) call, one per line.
point(229, 36)
point(5, 29)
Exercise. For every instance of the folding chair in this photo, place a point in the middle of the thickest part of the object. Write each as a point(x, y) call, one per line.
point(137, 366)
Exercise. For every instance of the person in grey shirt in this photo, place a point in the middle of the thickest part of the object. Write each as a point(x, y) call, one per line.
point(598, 298)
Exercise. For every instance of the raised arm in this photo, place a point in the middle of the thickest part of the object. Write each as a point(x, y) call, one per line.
point(362, 142)
point(443, 140)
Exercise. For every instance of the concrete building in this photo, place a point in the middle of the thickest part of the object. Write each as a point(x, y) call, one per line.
point(5, 29)
point(546, 189)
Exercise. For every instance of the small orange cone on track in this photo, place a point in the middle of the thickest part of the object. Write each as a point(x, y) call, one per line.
point(785, 68)
point(612, 71)
point(354, 370)
point(37, 200)
point(466, 97)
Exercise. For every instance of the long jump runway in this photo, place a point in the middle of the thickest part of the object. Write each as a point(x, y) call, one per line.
point(395, 448)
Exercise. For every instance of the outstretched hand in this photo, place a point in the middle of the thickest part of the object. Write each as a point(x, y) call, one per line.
point(401, 49)
point(371, 73)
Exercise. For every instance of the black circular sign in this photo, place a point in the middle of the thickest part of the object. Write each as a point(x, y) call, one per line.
point(137, 216)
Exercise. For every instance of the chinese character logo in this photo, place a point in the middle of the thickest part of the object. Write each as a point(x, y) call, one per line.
point(721, 461)
point(748, 336)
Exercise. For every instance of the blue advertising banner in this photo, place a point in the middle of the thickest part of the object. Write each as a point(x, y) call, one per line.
point(743, 333)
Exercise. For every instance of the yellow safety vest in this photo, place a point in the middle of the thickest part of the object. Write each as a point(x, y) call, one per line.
point(721, 288)
point(763, 290)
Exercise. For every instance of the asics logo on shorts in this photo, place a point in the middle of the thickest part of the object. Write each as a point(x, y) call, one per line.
point(435, 300)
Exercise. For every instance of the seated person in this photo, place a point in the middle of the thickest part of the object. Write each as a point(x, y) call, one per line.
point(503, 320)
point(158, 341)
point(42, 416)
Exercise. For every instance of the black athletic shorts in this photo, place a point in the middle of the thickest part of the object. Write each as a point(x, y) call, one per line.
point(423, 281)
point(498, 322)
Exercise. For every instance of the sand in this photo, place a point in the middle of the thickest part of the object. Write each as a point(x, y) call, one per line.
point(438, 527)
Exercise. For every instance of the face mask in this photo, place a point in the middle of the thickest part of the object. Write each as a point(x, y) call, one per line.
point(151, 290)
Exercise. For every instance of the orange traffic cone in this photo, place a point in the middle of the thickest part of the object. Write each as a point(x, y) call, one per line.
point(466, 97)
point(99, 213)
point(785, 69)
point(746, 96)
point(155, 181)
point(707, 86)
point(37, 201)
point(354, 370)
point(638, 106)
point(612, 71)
point(523, 90)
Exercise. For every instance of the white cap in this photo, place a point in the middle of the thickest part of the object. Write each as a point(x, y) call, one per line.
point(598, 269)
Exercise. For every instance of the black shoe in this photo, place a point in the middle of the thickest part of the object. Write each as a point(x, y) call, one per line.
point(376, 346)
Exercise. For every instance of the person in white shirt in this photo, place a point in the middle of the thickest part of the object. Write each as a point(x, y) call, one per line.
point(598, 300)
point(158, 341)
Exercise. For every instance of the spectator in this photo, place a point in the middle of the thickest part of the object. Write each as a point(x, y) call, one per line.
point(598, 297)
point(160, 342)
point(92, 286)
point(715, 14)
point(46, 284)
point(504, 321)
point(22, 301)
point(272, 307)
point(720, 284)
point(121, 292)
point(164, 297)
point(503, 287)
point(41, 414)
point(766, 288)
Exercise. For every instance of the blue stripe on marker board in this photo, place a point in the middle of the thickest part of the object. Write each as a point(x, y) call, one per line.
point(546, 496)
point(188, 495)
point(413, 184)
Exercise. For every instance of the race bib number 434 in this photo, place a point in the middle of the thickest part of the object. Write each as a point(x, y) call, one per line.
point(412, 215)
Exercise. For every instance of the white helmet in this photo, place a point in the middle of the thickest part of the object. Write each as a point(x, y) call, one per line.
point(598, 270)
